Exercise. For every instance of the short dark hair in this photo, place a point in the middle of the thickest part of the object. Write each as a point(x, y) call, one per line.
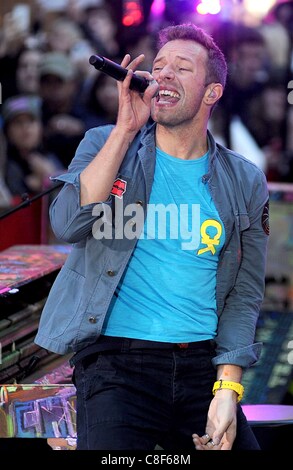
point(216, 63)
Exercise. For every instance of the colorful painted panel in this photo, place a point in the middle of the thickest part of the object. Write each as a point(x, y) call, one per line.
point(25, 263)
point(38, 411)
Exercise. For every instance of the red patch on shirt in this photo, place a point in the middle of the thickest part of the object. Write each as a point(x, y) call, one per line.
point(119, 188)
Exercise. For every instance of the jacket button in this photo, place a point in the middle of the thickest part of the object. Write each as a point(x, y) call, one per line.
point(139, 203)
point(92, 320)
point(111, 273)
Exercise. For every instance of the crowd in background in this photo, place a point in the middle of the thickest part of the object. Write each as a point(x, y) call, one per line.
point(51, 94)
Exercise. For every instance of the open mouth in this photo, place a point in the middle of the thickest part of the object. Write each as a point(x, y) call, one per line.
point(168, 97)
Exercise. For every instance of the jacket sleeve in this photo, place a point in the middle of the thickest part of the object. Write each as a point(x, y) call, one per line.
point(70, 222)
point(237, 322)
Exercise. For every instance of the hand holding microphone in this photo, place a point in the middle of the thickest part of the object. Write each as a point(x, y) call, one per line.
point(118, 72)
point(134, 108)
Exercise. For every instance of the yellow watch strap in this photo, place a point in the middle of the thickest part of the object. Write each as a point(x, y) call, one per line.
point(236, 386)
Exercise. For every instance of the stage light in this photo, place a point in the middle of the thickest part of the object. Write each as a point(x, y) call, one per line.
point(132, 13)
point(259, 9)
point(158, 7)
point(212, 7)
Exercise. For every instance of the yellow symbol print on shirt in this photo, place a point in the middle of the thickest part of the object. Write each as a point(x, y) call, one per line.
point(206, 239)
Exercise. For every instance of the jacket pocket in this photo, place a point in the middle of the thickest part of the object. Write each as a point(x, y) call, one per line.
point(62, 306)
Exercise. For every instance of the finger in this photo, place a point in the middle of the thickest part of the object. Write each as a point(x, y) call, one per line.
point(212, 446)
point(205, 438)
point(200, 442)
point(126, 60)
point(126, 82)
point(152, 91)
point(135, 62)
point(206, 442)
point(132, 64)
point(208, 446)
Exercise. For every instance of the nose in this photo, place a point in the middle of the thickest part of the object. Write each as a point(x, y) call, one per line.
point(166, 73)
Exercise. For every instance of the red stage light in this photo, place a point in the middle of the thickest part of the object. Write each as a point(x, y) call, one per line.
point(132, 13)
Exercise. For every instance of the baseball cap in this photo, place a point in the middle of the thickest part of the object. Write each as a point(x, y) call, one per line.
point(57, 63)
point(21, 104)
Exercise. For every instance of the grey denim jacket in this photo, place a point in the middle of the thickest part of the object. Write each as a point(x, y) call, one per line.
point(79, 298)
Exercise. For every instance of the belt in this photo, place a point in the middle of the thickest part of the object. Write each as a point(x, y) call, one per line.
point(146, 344)
point(116, 343)
point(128, 343)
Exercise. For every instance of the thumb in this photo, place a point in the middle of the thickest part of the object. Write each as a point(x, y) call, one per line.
point(217, 439)
point(226, 435)
point(219, 433)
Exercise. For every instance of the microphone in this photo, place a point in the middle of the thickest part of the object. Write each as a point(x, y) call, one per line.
point(114, 70)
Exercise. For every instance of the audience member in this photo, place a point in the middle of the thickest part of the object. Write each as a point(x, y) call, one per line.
point(28, 164)
point(101, 104)
point(59, 90)
point(27, 71)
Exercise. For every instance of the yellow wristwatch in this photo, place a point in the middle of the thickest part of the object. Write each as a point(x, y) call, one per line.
point(237, 387)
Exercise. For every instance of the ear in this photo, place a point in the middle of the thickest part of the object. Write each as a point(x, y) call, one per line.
point(213, 93)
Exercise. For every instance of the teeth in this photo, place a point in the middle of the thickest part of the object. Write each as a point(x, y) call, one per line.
point(173, 94)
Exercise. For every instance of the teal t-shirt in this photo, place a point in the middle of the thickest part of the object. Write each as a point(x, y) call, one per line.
point(168, 290)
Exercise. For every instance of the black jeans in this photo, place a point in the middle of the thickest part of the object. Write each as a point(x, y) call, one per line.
point(137, 399)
